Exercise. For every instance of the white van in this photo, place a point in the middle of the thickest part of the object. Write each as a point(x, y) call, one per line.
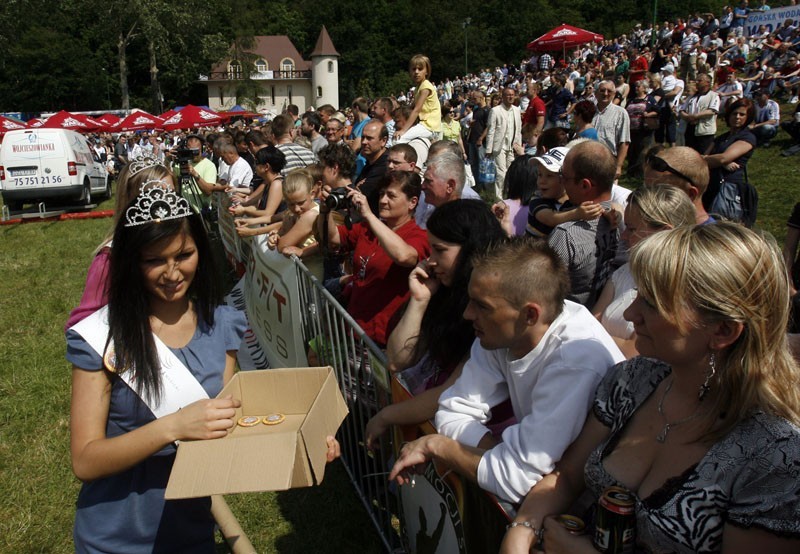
point(50, 164)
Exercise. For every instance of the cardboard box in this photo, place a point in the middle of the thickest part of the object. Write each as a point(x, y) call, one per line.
point(265, 457)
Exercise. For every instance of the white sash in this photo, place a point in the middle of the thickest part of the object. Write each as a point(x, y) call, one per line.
point(179, 387)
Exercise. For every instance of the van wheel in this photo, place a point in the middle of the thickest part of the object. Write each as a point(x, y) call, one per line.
point(107, 192)
point(87, 193)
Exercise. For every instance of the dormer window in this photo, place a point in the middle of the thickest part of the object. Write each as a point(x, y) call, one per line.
point(287, 65)
point(261, 65)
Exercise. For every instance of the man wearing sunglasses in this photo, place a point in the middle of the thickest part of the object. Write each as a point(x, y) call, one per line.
point(682, 167)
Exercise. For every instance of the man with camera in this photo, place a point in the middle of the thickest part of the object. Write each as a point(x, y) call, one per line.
point(189, 157)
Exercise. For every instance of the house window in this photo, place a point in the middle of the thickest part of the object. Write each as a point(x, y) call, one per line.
point(261, 65)
point(319, 92)
point(287, 66)
point(235, 70)
point(330, 69)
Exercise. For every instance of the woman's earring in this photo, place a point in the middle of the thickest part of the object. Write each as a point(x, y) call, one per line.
point(712, 370)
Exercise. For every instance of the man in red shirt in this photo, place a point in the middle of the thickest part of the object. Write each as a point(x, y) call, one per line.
point(640, 63)
point(535, 114)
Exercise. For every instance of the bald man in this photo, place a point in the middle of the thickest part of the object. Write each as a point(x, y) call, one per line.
point(682, 167)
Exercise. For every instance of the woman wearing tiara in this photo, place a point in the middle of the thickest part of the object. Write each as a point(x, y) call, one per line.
point(130, 180)
point(129, 405)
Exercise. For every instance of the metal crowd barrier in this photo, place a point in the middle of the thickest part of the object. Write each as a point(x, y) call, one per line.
point(292, 314)
point(360, 366)
point(338, 341)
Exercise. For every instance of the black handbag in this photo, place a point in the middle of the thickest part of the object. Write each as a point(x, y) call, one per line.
point(749, 196)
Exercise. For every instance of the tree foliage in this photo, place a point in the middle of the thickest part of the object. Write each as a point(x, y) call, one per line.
point(92, 54)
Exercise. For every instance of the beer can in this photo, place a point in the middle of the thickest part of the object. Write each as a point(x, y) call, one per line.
point(574, 525)
point(616, 522)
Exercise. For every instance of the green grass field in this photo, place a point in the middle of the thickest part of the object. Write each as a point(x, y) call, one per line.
point(42, 272)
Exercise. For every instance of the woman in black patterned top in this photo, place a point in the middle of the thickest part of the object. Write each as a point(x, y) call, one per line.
point(703, 430)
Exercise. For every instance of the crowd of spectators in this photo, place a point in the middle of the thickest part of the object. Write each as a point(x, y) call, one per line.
point(383, 199)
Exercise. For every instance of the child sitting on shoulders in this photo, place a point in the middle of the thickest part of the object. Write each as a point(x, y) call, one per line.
point(426, 102)
point(296, 236)
point(551, 206)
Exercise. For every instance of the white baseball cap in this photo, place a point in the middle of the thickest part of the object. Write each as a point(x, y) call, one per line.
point(553, 159)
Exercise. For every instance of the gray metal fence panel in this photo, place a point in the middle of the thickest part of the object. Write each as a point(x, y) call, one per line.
point(360, 366)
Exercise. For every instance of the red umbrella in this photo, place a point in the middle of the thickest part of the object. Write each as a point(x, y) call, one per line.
point(108, 119)
point(34, 123)
point(7, 124)
point(139, 121)
point(563, 37)
point(192, 116)
point(93, 123)
point(167, 114)
point(75, 122)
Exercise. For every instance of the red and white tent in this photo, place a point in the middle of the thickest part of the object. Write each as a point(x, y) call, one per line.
point(167, 114)
point(108, 120)
point(7, 125)
point(192, 117)
point(563, 37)
point(74, 122)
point(139, 121)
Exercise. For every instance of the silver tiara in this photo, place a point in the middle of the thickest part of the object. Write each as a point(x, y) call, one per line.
point(156, 203)
point(140, 164)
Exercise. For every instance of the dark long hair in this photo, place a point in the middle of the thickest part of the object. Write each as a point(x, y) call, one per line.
point(444, 334)
point(520, 180)
point(128, 300)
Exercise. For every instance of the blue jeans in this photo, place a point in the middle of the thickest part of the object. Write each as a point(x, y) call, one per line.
point(765, 133)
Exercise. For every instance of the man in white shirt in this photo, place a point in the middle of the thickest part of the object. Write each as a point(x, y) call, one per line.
point(768, 114)
point(729, 91)
point(239, 172)
point(540, 351)
point(700, 115)
point(689, 55)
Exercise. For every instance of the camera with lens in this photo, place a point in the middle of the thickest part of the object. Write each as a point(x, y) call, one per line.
point(337, 199)
point(184, 156)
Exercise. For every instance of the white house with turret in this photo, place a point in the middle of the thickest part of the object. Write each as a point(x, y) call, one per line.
point(282, 75)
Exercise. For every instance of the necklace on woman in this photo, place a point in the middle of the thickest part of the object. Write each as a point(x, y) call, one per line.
point(662, 436)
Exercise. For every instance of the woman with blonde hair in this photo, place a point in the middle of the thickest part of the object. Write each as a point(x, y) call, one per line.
point(703, 431)
point(650, 209)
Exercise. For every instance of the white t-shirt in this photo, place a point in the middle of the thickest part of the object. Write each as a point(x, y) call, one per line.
point(240, 174)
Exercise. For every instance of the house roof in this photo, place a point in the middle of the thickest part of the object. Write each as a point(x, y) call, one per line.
point(273, 49)
point(324, 45)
